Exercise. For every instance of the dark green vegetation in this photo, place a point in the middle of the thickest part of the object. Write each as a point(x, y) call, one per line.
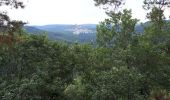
point(124, 65)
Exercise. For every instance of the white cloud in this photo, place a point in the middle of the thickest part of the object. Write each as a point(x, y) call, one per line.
point(39, 12)
point(59, 12)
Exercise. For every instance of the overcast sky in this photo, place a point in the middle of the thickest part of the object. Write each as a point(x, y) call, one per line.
point(41, 12)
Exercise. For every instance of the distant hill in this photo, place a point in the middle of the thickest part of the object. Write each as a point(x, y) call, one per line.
point(51, 35)
point(76, 29)
point(71, 33)
point(84, 33)
point(34, 30)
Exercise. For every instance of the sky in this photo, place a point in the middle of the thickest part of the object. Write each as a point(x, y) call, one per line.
point(42, 12)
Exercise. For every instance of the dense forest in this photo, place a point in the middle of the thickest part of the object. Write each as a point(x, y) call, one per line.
point(122, 65)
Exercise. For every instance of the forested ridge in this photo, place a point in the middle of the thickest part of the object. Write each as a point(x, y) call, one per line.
point(122, 65)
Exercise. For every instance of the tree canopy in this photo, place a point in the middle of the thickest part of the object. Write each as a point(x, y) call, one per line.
point(123, 65)
point(5, 22)
point(114, 4)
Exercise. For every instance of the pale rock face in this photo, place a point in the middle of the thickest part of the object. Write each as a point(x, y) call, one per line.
point(78, 29)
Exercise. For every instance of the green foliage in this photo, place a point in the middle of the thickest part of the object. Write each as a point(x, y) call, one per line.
point(124, 66)
point(145, 54)
point(161, 4)
point(35, 68)
point(109, 3)
point(39, 69)
point(118, 30)
point(105, 34)
point(5, 22)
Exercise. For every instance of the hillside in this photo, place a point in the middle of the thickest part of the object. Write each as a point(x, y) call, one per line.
point(85, 33)
point(71, 33)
